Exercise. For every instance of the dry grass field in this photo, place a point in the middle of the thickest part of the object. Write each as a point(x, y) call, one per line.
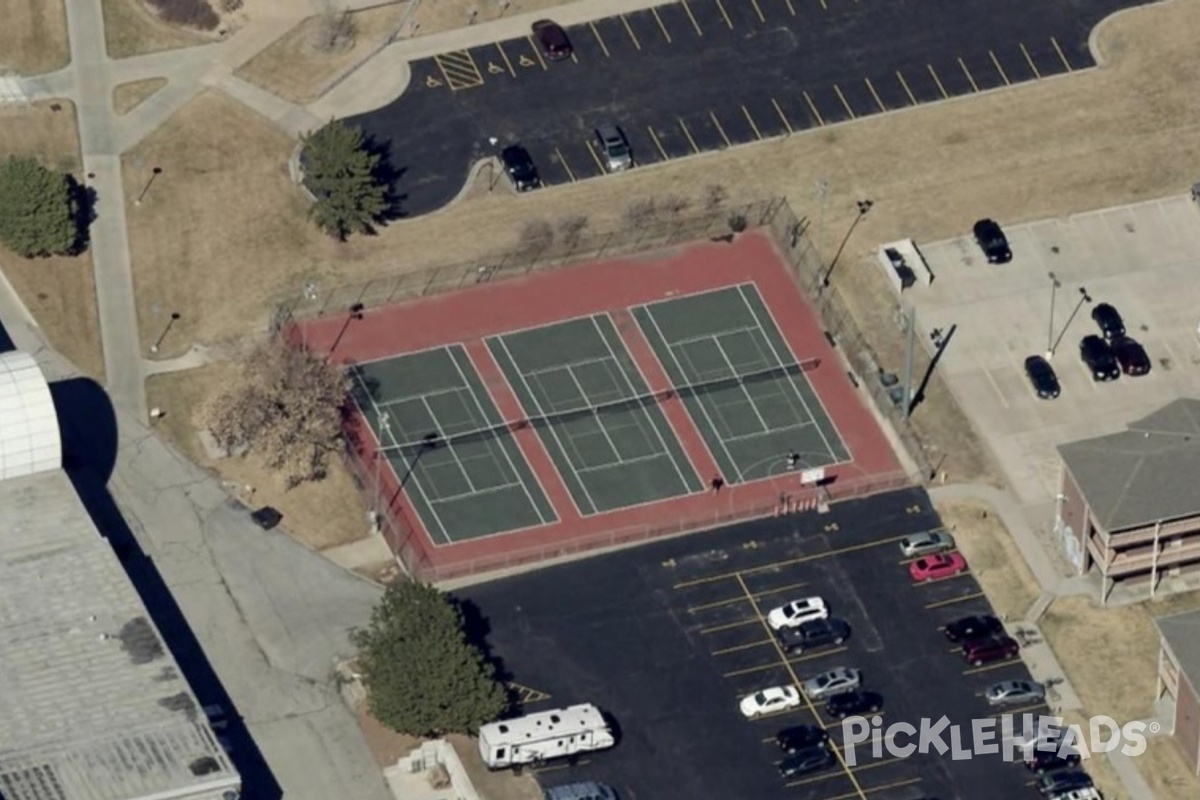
point(436, 16)
point(296, 67)
point(129, 96)
point(131, 29)
point(33, 38)
point(60, 292)
point(994, 559)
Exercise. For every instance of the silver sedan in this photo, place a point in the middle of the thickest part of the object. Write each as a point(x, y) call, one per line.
point(926, 544)
point(835, 681)
point(1007, 693)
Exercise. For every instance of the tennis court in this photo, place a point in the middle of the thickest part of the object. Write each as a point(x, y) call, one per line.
point(592, 409)
point(446, 441)
point(744, 388)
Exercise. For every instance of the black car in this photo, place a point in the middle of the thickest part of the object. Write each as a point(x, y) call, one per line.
point(1042, 378)
point(992, 241)
point(805, 761)
point(973, 628)
point(814, 633)
point(1099, 358)
point(1131, 356)
point(1042, 761)
point(1108, 320)
point(855, 703)
point(1057, 783)
point(801, 737)
point(552, 39)
point(520, 168)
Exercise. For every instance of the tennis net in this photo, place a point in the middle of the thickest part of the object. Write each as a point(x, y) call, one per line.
point(441, 438)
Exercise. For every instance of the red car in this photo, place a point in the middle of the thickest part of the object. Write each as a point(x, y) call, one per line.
point(552, 39)
point(942, 565)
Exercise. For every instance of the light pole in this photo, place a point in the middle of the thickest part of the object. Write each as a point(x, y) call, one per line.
point(385, 426)
point(154, 173)
point(1084, 297)
point(1055, 285)
point(864, 206)
point(158, 343)
point(492, 175)
point(822, 189)
point(354, 312)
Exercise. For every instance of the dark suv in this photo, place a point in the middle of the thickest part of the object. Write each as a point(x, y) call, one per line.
point(992, 241)
point(1042, 761)
point(814, 633)
point(801, 737)
point(1057, 783)
point(855, 703)
point(805, 761)
point(978, 652)
point(1108, 320)
point(1131, 356)
point(973, 628)
point(1042, 378)
point(520, 168)
point(1099, 358)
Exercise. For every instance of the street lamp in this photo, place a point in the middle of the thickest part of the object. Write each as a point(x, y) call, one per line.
point(175, 315)
point(864, 206)
point(1055, 285)
point(1084, 297)
point(492, 173)
point(354, 312)
point(154, 173)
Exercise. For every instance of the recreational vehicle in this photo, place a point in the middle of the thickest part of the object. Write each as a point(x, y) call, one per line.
point(543, 736)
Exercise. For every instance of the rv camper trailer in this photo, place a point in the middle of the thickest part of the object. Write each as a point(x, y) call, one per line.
point(543, 736)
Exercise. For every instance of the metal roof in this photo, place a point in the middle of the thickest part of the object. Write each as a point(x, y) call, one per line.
point(29, 438)
point(1182, 632)
point(92, 704)
point(1142, 475)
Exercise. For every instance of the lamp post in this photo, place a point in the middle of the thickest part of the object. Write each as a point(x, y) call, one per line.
point(385, 426)
point(864, 206)
point(354, 312)
point(1084, 297)
point(175, 315)
point(1055, 285)
point(154, 173)
point(492, 172)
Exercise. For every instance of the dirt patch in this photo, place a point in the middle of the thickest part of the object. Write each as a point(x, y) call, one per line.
point(60, 292)
point(303, 64)
point(129, 96)
point(386, 746)
point(992, 556)
point(436, 16)
point(33, 38)
point(131, 29)
point(320, 514)
point(1164, 768)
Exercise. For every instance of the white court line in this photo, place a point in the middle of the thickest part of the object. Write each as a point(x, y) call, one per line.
point(629, 385)
point(618, 464)
point(489, 490)
point(683, 372)
point(450, 447)
point(379, 443)
point(578, 456)
point(791, 380)
point(596, 416)
point(798, 426)
point(483, 416)
point(714, 334)
point(742, 385)
point(557, 367)
point(537, 405)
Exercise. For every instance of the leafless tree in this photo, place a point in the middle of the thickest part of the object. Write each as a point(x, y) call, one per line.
point(336, 29)
point(674, 205)
point(715, 196)
point(570, 231)
point(286, 406)
point(229, 6)
point(536, 236)
point(641, 213)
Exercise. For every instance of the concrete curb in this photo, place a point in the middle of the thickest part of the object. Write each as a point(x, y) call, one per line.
point(1094, 35)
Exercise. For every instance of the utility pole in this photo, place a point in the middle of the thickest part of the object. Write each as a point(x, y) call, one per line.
point(385, 428)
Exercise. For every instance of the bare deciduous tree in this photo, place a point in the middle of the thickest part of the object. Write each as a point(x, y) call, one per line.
point(714, 197)
point(287, 406)
point(536, 236)
point(641, 213)
point(674, 205)
point(336, 31)
point(570, 230)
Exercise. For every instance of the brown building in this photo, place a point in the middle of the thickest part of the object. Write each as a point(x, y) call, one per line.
point(1129, 502)
point(1178, 676)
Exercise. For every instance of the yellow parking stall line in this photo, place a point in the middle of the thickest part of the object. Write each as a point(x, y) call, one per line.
point(954, 600)
point(813, 108)
point(1061, 55)
point(574, 58)
point(728, 143)
point(692, 17)
point(817, 779)
point(750, 119)
point(935, 581)
point(883, 762)
point(1029, 60)
point(565, 165)
point(783, 664)
point(724, 651)
point(875, 94)
point(688, 134)
point(967, 72)
point(507, 63)
point(657, 143)
point(790, 7)
point(595, 156)
point(783, 117)
point(716, 603)
point(565, 765)
point(750, 670)
point(629, 30)
point(728, 626)
point(537, 51)
point(873, 789)
point(845, 105)
point(1000, 69)
point(661, 26)
point(938, 81)
point(814, 656)
point(1018, 710)
point(725, 14)
point(600, 39)
point(758, 11)
point(824, 6)
point(1012, 662)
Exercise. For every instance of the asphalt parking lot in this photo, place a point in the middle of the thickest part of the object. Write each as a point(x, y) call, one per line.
point(1144, 259)
point(668, 637)
point(702, 75)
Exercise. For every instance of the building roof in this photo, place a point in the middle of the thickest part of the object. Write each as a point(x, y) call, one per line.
point(29, 438)
point(92, 705)
point(1182, 633)
point(1142, 475)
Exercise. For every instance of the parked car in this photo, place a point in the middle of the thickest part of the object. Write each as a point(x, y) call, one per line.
point(614, 148)
point(1108, 320)
point(1042, 761)
point(978, 652)
point(855, 703)
point(797, 612)
point(974, 627)
point(553, 40)
point(1042, 377)
point(518, 165)
point(800, 737)
point(992, 241)
point(835, 681)
point(767, 701)
point(1099, 358)
point(1131, 356)
point(924, 544)
point(814, 633)
point(1089, 793)
point(1057, 783)
point(1015, 693)
point(587, 790)
point(941, 565)
point(805, 761)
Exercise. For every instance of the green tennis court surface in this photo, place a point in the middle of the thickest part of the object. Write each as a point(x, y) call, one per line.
point(743, 386)
point(437, 425)
point(590, 407)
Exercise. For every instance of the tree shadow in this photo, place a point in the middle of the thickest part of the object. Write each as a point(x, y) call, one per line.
point(83, 201)
point(388, 174)
point(476, 629)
